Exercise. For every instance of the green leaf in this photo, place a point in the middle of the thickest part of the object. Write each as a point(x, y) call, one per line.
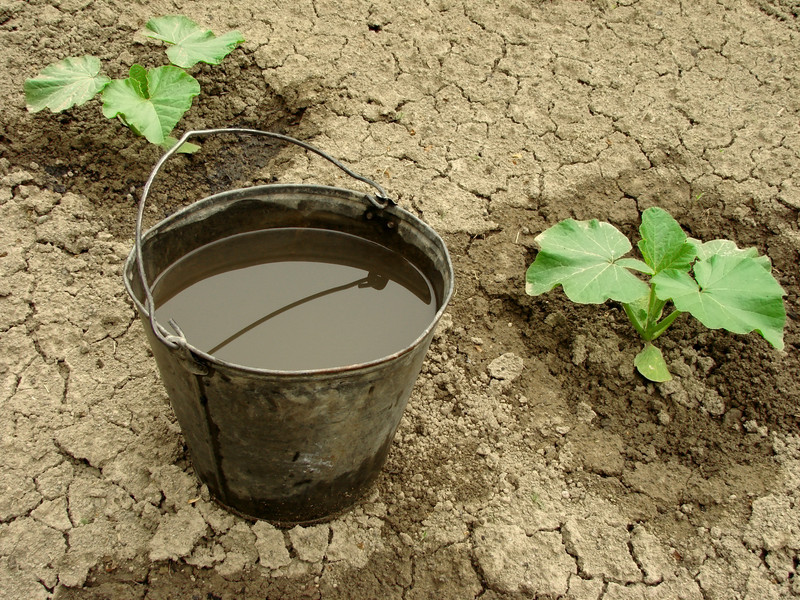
point(191, 43)
point(636, 265)
point(664, 245)
point(639, 308)
point(732, 292)
point(637, 313)
point(726, 247)
point(186, 147)
point(138, 77)
point(65, 84)
point(582, 257)
point(651, 364)
point(170, 95)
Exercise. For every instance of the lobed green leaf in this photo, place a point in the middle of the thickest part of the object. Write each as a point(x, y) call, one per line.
point(732, 291)
point(726, 247)
point(582, 256)
point(170, 91)
point(636, 265)
point(664, 245)
point(190, 44)
point(67, 83)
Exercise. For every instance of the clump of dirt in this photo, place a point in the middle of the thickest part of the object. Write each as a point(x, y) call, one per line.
point(787, 11)
point(532, 460)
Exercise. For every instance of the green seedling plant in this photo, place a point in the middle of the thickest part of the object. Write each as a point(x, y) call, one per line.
point(721, 285)
point(150, 102)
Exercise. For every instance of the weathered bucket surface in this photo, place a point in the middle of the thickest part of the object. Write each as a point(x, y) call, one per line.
point(286, 446)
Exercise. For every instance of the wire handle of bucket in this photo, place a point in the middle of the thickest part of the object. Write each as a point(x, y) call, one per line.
point(380, 200)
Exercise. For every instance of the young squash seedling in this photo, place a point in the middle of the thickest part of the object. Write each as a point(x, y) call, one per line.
point(150, 102)
point(721, 285)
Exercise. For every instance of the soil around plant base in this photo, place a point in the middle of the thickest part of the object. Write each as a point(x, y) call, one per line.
point(532, 461)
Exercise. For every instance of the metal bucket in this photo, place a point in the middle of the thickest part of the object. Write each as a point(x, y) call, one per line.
point(285, 446)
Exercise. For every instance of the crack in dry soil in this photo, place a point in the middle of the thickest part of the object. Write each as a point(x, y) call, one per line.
point(531, 461)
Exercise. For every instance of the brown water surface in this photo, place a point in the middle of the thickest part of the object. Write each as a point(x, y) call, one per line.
point(295, 299)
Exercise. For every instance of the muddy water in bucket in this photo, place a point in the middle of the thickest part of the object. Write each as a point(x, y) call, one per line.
point(291, 323)
point(295, 299)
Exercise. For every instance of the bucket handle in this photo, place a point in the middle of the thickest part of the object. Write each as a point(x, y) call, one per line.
point(380, 200)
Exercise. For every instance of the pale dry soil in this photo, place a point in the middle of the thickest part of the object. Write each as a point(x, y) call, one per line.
point(532, 461)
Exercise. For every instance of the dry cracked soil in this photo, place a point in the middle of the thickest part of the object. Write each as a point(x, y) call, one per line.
point(532, 461)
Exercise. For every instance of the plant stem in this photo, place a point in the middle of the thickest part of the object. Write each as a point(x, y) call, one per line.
point(654, 308)
point(634, 321)
point(652, 327)
point(665, 322)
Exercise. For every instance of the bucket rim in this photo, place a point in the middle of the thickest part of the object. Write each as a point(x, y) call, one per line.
point(129, 272)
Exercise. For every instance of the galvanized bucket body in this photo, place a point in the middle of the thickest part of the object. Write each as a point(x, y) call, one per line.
point(286, 446)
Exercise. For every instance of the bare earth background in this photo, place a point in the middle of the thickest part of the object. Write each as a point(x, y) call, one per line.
point(532, 461)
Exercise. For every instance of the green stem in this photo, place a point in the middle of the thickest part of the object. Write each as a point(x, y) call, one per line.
point(665, 322)
point(652, 327)
point(634, 321)
point(654, 308)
